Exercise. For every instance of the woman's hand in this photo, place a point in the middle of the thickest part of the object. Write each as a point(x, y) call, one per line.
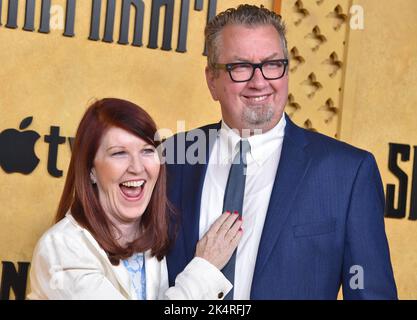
point(218, 244)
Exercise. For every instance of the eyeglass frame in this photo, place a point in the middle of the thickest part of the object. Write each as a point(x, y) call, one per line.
point(228, 67)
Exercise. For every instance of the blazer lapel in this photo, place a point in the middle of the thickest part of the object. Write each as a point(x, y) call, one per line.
point(193, 181)
point(120, 272)
point(292, 168)
point(123, 278)
point(153, 276)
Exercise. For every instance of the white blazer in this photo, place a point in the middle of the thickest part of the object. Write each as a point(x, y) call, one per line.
point(68, 263)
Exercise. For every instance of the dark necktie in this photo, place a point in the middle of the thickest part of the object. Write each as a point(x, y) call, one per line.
point(233, 201)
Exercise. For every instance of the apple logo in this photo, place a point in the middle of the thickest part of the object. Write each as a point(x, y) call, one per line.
point(17, 152)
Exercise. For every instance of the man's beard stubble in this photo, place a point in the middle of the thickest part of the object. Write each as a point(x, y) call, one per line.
point(255, 116)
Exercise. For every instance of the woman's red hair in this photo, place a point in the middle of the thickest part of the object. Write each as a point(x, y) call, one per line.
point(81, 197)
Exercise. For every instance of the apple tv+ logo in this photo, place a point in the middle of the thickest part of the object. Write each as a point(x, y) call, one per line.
point(17, 149)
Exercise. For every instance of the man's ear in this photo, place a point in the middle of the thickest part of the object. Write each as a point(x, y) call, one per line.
point(211, 83)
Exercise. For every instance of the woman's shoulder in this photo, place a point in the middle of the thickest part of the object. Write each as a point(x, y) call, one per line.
point(67, 227)
point(65, 234)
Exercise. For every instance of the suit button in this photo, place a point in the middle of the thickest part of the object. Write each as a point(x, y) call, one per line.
point(220, 295)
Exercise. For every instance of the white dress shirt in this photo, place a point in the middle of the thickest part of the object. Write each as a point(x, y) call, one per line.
point(262, 164)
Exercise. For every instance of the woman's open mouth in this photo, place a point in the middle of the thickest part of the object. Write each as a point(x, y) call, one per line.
point(132, 190)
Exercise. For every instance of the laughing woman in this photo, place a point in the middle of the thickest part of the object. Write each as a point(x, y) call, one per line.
point(111, 231)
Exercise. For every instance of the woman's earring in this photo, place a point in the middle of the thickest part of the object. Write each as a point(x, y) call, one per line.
point(93, 178)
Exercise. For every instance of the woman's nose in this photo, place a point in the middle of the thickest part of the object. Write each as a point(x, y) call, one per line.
point(136, 165)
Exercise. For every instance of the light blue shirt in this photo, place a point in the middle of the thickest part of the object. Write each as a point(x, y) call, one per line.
point(136, 267)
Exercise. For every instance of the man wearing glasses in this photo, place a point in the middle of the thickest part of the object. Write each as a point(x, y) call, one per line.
point(312, 207)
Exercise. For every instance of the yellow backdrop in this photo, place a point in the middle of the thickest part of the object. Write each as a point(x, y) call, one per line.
point(353, 84)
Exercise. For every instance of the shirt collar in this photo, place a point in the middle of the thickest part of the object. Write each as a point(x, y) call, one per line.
point(262, 145)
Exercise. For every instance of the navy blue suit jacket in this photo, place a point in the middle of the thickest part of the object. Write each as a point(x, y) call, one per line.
point(324, 226)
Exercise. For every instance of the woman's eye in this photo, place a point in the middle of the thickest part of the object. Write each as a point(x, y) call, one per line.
point(149, 151)
point(118, 153)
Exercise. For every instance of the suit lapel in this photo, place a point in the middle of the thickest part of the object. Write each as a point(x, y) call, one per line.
point(193, 181)
point(292, 168)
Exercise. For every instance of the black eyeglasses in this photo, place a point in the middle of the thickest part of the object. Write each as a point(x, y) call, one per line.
point(244, 71)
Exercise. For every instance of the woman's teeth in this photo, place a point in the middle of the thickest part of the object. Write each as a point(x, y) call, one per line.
point(133, 184)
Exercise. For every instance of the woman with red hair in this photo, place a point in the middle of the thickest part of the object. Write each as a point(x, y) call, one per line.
point(111, 232)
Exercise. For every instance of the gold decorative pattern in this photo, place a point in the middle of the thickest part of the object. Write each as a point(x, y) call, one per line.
point(317, 35)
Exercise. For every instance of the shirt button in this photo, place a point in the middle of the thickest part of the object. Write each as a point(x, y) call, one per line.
point(220, 295)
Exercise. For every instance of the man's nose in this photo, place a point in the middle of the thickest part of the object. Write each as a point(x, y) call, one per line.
point(258, 79)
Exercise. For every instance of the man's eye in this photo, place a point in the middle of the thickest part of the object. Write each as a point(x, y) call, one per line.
point(242, 67)
point(273, 64)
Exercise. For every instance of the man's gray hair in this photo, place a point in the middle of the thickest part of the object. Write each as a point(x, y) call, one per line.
point(246, 15)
